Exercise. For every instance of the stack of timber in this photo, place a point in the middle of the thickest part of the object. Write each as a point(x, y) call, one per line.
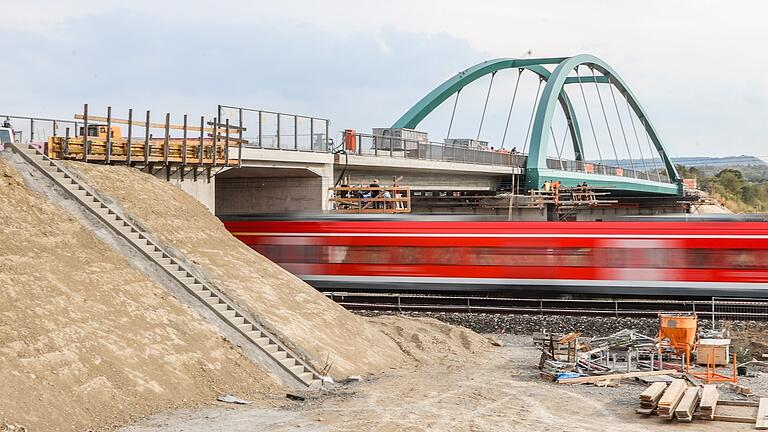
point(684, 410)
point(709, 397)
point(671, 398)
point(650, 397)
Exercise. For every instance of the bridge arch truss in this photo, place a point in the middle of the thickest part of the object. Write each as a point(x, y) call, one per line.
point(554, 95)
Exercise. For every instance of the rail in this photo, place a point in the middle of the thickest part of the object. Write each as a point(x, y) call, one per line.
point(109, 139)
point(378, 145)
point(596, 168)
point(409, 148)
point(276, 130)
point(714, 309)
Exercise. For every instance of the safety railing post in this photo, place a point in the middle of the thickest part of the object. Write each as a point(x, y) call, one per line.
point(226, 142)
point(167, 142)
point(65, 146)
point(311, 134)
point(215, 145)
point(260, 119)
point(201, 146)
point(184, 148)
point(278, 132)
point(327, 138)
point(86, 146)
point(108, 149)
point(128, 141)
point(147, 145)
point(295, 132)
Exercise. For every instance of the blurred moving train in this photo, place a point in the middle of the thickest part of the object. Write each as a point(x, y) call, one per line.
point(671, 258)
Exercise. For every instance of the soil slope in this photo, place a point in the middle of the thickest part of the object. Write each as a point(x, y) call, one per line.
point(317, 328)
point(87, 341)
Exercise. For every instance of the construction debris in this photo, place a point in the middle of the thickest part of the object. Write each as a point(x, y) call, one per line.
point(233, 399)
point(565, 357)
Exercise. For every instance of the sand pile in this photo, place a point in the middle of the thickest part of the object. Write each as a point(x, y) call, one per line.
point(314, 326)
point(427, 340)
point(86, 340)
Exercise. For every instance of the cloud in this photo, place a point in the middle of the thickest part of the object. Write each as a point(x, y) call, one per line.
point(692, 64)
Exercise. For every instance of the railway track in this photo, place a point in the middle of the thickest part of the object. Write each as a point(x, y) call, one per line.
point(715, 308)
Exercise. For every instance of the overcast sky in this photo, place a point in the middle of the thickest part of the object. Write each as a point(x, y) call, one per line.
point(698, 67)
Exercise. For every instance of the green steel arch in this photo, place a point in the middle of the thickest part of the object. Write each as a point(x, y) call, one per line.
point(431, 101)
point(536, 168)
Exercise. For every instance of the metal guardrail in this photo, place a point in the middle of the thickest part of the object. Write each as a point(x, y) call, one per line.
point(593, 168)
point(715, 309)
point(377, 145)
point(276, 130)
point(38, 129)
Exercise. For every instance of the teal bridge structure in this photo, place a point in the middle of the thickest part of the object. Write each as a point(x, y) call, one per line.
point(557, 74)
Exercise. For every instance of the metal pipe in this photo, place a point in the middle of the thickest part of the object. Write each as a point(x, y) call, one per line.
point(295, 133)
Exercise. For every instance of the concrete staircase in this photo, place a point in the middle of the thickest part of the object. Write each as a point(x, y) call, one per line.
point(205, 293)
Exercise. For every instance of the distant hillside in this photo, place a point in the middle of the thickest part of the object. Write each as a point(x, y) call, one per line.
point(695, 161)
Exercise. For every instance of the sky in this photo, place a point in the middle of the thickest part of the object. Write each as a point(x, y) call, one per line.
point(697, 67)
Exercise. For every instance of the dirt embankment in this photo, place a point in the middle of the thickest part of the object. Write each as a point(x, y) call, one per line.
point(314, 326)
point(86, 340)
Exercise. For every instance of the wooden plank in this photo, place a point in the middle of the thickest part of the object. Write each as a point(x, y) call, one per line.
point(151, 125)
point(740, 403)
point(671, 398)
point(677, 387)
point(733, 419)
point(684, 409)
point(595, 378)
point(709, 397)
point(654, 392)
point(762, 414)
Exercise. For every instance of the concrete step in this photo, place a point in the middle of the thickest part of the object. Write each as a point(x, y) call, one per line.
point(297, 369)
point(222, 307)
point(237, 320)
point(307, 378)
point(246, 327)
point(270, 348)
point(280, 355)
point(288, 362)
point(262, 341)
point(229, 314)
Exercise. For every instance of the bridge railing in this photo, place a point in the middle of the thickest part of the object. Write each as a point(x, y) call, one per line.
point(276, 130)
point(407, 148)
point(594, 168)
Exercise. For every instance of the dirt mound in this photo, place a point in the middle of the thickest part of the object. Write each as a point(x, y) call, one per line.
point(315, 327)
point(427, 340)
point(86, 340)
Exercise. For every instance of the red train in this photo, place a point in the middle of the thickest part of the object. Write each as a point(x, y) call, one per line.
point(627, 258)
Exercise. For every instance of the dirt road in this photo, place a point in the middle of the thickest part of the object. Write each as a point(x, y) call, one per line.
point(493, 391)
